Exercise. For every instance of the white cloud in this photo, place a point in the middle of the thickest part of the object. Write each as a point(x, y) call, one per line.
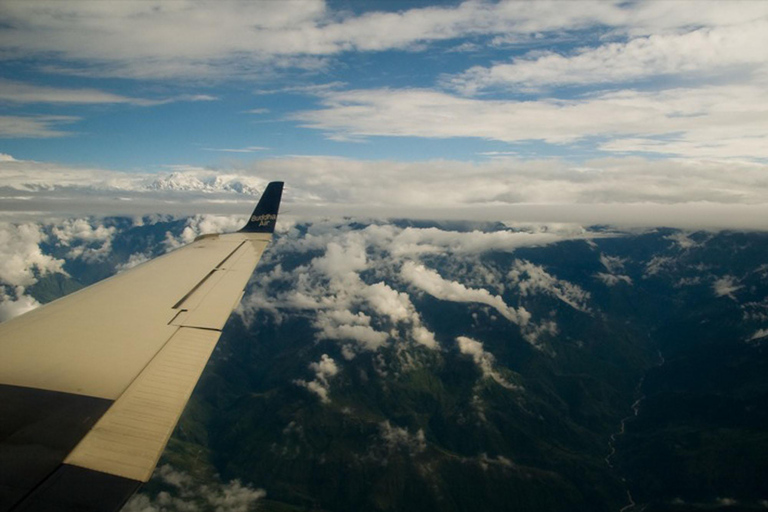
point(365, 315)
point(331, 288)
point(433, 283)
point(531, 278)
point(612, 263)
point(735, 49)
point(21, 259)
point(133, 40)
point(191, 495)
point(616, 191)
point(37, 126)
point(483, 359)
point(420, 241)
point(20, 92)
point(13, 302)
point(343, 325)
point(134, 260)
point(726, 286)
point(234, 497)
point(683, 240)
point(724, 121)
point(203, 180)
point(657, 265)
point(324, 369)
point(249, 149)
point(398, 438)
point(537, 334)
point(88, 238)
point(500, 461)
point(443, 186)
point(613, 279)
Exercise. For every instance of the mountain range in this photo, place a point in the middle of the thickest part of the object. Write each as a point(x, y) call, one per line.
point(432, 365)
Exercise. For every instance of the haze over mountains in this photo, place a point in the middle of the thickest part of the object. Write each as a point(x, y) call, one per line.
point(418, 365)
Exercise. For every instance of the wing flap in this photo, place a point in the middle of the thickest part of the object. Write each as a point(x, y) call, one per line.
point(129, 439)
point(210, 306)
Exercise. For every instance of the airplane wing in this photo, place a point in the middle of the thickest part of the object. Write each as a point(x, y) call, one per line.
point(93, 384)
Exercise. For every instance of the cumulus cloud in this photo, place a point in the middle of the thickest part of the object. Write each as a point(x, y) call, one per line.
point(13, 302)
point(22, 260)
point(483, 359)
point(356, 286)
point(330, 286)
point(537, 333)
point(133, 260)
point(613, 279)
point(433, 283)
point(344, 326)
point(726, 286)
point(189, 494)
point(235, 497)
point(202, 224)
point(683, 240)
point(486, 462)
point(398, 438)
point(531, 278)
point(658, 264)
point(420, 241)
point(614, 265)
point(324, 369)
point(87, 238)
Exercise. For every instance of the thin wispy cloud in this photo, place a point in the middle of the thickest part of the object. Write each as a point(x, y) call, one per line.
point(740, 50)
point(249, 149)
point(21, 92)
point(35, 127)
point(712, 122)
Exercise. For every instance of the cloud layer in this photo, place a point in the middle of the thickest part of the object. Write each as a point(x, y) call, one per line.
point(617, 191)
point(133, 40)
point(703, 122)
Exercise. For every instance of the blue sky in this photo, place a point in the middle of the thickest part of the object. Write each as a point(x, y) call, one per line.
point(492, 103)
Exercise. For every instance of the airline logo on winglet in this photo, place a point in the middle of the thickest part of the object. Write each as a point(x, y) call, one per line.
point(264, 219)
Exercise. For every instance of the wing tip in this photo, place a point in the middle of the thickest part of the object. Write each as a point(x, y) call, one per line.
point(264, 216)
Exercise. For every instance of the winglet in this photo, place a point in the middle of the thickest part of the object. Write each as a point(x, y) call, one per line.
point(264, 217)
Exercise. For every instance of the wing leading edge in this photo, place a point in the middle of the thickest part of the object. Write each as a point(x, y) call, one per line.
point(93, 384)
